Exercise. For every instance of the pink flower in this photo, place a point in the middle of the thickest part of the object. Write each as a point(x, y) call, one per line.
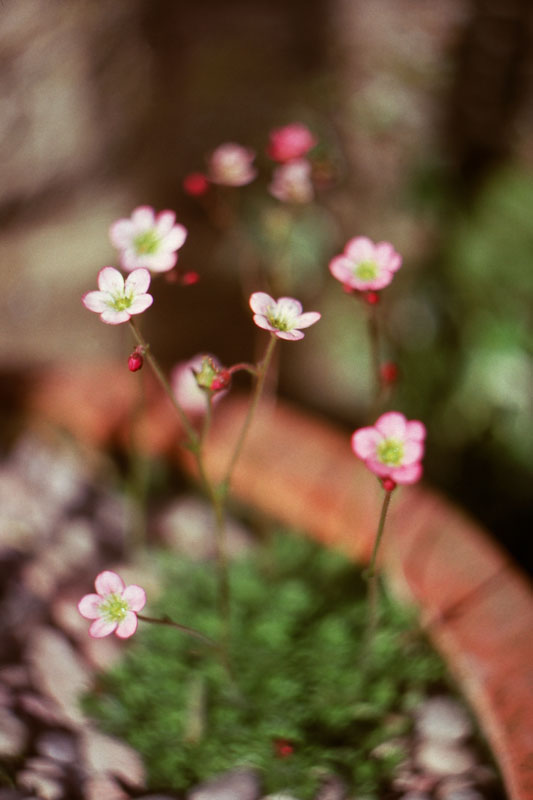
point(147, 240)
point(117, 300)
point(291, 183)
point(365, 265)
point(191, 397)
point(231, 165)
point(114, 608)
point(282, 317)
point(292, 141)
point(393, 448)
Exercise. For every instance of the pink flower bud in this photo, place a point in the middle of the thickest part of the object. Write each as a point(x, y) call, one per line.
point(389, 373)
point(195, 184)
point(221, 380)
point(372, 298)
point(388, 484)
point(189, 278)
point(135, 361)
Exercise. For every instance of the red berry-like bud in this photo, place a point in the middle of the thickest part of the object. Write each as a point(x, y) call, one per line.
point(195, 184)
point(388, 484)
point(283, 748)
point(135, 361)
point(189, 278)
point(372, 298)
point(221, 380)
point(389, 372)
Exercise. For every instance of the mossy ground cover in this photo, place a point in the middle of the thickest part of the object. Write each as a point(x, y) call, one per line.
point(310, 702)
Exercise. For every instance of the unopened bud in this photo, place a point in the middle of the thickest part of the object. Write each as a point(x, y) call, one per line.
point(221, 380)
point(189, 278)
point(372, 298)
point(388, 484)
point(195, 184)
point(135, 361)
point(389, 372)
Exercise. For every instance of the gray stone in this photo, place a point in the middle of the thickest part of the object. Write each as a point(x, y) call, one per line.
point(104, 754)
point(58, 672)
point(57, 746)
point(15, 675)
point(103, 787)
point(441, 758)
point(45, 788)
point(238, 784)
point(13, 735)
point(444, 719)
point(42, 708)
point(44, 767)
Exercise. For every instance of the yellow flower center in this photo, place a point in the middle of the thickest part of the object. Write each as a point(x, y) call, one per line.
point(366, 270)
point(147, 243)
point(390, 452)
point(114, 608)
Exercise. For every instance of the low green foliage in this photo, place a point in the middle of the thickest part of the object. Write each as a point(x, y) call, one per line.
point(303, 678)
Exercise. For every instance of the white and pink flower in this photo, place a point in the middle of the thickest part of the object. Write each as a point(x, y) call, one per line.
point(148, 240)
point(117, 300)
point(365, 265)
point(393, 448)
point(231, 165)
point(290, 142)
point(291, 182)
point(282, 317)
point(114, 608)
point(191, 397)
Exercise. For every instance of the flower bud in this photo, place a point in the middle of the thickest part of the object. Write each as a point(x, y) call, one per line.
point(221, 380)
point(195, 184)
point(135, 361)
point(372, 298)
point(389, 373)
point(189, 278)
point(388, 484)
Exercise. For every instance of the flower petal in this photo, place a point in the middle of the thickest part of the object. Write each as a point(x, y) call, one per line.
point(121, 233)
point(140, 304)
point(175, 238)
point(288, 307)
point(135, 596)
point(365, 442)
point(128, 626)
point(108, 582)
point(290, 336)
point(416, 430)
point(360, 248)
point(307, 319)
point(164, 222)
point(412, 451)
point(143, 218)
point(113, 317)
point(100, 628)
point(262, 322)
point(341, 268)
point(411, 473)
point(95, 301)
point(260, 302)
point(138, 281)
point(110, 280)
point(392, 425)
point(159, 262)
point(89, 606)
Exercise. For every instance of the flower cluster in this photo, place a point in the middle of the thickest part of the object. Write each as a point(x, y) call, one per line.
point(291, 181)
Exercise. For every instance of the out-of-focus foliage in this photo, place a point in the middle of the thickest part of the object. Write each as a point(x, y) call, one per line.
point(297, 653)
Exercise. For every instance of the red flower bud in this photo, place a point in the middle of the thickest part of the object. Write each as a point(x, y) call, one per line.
point(372, 298)
point(195, 184)
point(388, 484)
point(389, 372)
point(283, 748)
point(135, 361)
point(189, 278)
point(221, 380)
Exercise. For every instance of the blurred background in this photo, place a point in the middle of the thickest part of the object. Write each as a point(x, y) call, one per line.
point(424, 115)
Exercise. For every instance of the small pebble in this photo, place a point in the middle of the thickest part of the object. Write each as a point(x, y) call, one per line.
point(57, 746)
point(13, 735)
point(45, 788)
point(441, 758)
point(444, 719)
point(238, 784)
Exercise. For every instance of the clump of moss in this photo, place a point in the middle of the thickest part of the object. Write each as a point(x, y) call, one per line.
point(309, 703)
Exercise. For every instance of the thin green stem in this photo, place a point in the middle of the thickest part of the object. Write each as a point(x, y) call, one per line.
point(191, 433)
point(183, 628)
point(374, 341)
point(372, 575)
point(261, 375)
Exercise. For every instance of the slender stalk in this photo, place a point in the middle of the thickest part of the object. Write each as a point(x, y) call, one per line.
point(183, 628)
point(372, 575)
point(373, 337)
point(261, 375)
point(191, 433)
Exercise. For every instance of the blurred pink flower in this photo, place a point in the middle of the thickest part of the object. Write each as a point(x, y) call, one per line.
point(231, 165)
point(393, 448)
point(147, 240)
point(291, 182)
point(290, 142)
point(114, 608)
point(365, 265)
point(191, 397)
point(117, 300)
point(281, 317)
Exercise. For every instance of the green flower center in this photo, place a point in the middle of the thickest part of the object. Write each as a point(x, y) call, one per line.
point(114, 608)
point(390, 452)
point(121, 302)
point(147, 243)
point(366, 270)
point(278, 321)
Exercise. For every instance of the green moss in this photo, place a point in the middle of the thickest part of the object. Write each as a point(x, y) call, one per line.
point(298, 627)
